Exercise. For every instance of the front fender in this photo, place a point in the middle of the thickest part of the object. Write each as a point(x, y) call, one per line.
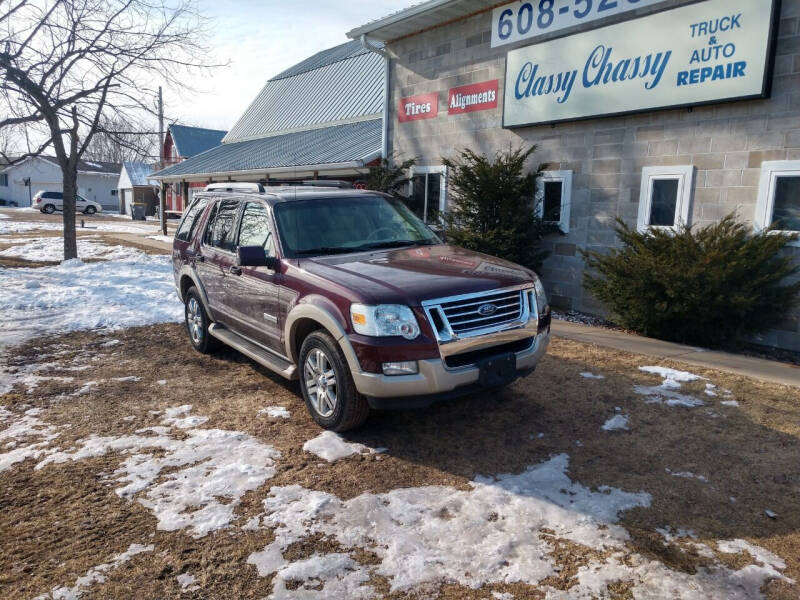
point(327, 314)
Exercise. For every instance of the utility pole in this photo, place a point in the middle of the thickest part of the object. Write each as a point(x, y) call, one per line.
point(162, 201)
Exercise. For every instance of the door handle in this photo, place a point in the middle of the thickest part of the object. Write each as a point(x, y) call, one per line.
point(199, 258)
point(235, 270)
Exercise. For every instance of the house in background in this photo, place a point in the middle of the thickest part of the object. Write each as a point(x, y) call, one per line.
point(320, 119)
point(183, 142)
point(133, 186)
point(97, 181)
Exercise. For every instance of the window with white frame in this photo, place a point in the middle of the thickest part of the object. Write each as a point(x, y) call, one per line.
point(778, 205)
point(427, 196)
point(553, 197)
point(665, 200)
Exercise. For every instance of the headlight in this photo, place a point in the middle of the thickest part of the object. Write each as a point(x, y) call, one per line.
point(540, 296)
point(384, 320)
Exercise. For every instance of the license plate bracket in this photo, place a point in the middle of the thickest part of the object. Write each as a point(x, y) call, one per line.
point(497, 370)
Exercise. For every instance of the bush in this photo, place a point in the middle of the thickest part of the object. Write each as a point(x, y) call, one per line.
point(493, 206)
point(708, 287)
point(389, 177)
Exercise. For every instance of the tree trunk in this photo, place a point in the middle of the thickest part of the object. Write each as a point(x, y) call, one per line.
point(70, 176)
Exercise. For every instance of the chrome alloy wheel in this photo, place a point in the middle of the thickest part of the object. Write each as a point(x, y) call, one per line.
point(320, 380)
point(194, 320)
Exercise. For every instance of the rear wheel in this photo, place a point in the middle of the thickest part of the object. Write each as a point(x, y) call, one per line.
point(327, 385)
point(49, 209)
point(197, 323)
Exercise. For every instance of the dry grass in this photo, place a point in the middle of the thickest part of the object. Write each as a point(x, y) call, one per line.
point(62, 520)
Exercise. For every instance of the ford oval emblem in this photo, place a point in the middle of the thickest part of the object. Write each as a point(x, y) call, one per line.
point(487, 310)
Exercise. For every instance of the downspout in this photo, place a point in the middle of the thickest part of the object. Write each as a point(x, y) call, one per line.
point(367, 45)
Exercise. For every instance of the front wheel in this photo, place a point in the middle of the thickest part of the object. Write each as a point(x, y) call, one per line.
point(197, 323)
point(327, 385)
point(90, 210)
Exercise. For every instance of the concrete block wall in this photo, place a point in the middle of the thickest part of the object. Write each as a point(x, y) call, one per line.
point(727, 143)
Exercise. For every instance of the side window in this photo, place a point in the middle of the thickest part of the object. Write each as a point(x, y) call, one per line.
point(189, 224)
point(220, 232)
point(665, 197)
point(553, 197)
point(779, 197)
point(428, 193)
point(254, 229)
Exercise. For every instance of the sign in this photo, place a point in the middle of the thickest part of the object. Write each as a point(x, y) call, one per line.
point(709, 52)
point(416, 108)
point(527, 20)
point(470, 98)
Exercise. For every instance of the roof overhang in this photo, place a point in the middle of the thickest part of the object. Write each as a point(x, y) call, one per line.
point(419, 17)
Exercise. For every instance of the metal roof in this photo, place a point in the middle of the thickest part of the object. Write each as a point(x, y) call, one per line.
point(138, 173)
point(418, 17)
point(335, 86)
point(190, 141)
point(352, 144)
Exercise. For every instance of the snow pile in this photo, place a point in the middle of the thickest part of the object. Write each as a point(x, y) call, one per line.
point(487, 535)
point(275, 412)
point(208, 465)
point(95, 575)
point(667, 393)
point(74, 295)
point(28, 428)
point(332, 447)
point(52, 249)
point(616, 423)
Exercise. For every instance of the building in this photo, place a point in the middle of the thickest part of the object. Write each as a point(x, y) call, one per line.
point(657, 112)
point(135, 187)
point(322, 118)
point(182, 143)
point(97, 180)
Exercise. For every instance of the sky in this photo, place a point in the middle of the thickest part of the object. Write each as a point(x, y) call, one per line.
point(259, 40)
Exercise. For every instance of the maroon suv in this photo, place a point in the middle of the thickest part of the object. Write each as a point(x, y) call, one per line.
point(353, 295)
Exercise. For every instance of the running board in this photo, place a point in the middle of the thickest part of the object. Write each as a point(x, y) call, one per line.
point(262, 356)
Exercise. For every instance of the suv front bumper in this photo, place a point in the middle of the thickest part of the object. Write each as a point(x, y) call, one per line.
point(435, 381)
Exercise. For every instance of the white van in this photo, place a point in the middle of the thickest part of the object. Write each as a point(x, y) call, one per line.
point(50, 202)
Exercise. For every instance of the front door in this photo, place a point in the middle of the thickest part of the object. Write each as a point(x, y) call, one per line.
point(217, 258)
point(254, 292)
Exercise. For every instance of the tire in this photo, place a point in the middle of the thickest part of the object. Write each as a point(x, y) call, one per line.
point(321, 360)
point(48, 209)
point(197, 323)
point(90, 210)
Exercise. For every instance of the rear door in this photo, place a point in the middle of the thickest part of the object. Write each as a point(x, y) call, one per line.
point(184, 252)
point(254, 291)
point(217, 257)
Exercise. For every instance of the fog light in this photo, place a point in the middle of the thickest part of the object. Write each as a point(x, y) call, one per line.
point(408, 367)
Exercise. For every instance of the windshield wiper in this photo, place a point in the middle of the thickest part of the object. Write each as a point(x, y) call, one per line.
point(392, 244)
point(326, 250)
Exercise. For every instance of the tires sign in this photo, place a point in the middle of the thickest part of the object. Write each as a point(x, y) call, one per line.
point(416, 108)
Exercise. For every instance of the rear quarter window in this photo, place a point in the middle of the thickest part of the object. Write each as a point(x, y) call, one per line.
point(190, 220)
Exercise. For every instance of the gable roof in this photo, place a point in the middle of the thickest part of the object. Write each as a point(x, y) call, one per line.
point(352, 144)
point(85, 166)
point(339, 85)
point(138, 173)
point(190, 141)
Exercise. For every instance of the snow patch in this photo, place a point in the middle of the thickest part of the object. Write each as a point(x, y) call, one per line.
point(275, 412)
point(729, 403)
point(46, 249)
point(332, 447)
point(687, 475)
point(616, 423)
point(592, 376)
point(27, 428)
point(186, 581)
point(667, 393)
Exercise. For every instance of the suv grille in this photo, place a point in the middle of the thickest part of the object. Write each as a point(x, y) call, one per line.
point(490, 310)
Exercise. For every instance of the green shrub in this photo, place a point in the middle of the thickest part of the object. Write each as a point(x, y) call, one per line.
point(492, 206)
point(389, 177)
point(707, 287)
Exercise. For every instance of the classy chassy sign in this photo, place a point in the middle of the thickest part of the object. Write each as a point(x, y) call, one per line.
point(471, 98)
point(712, 51)
point(416, 108)
point(527, 20)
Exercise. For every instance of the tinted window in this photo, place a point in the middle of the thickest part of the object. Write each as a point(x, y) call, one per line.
point(787, 203)
point(54, 195)
point(220, 232)
point(664, 201)
point(189, 223)
point(254, 229)
point(552, 200)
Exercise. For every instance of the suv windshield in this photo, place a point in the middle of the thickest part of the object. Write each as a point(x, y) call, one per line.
point(339, 225)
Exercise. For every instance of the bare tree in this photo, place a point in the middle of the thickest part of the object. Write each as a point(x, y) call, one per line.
point(117, 141)
point(70, 68)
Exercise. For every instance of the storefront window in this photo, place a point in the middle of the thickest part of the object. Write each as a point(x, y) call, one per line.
point(553, 197)
point(779, 197)
point(665, 198)
point(427, 196)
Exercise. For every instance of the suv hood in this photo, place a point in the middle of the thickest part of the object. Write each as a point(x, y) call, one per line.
point(411, 275)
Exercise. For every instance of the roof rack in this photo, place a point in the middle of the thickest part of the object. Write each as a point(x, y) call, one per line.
point(235, 186)
point(335, 183)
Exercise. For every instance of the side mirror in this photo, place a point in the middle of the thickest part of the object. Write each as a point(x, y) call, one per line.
point(256, 256)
